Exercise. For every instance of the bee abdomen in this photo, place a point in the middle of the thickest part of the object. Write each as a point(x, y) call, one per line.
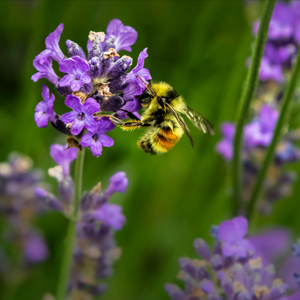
point(159, 141)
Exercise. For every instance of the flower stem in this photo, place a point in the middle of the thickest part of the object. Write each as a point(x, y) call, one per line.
point(71, 233)
point(286, 104)
point(247, 95)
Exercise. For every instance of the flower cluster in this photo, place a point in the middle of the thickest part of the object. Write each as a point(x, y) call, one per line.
point(282, 42)
point(258, 135)
point(95, 249)
point(18, 205)
point(231, 271)
point(91, 84)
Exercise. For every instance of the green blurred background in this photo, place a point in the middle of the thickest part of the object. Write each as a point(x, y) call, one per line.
point(200, 48)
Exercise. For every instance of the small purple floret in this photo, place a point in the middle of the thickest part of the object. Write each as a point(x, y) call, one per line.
point(260, 131)
point(135, 85)
point(52, 41)
point(232, 233)
point(82, 114)
point(117, 183)
point(44, 109)
point(124, 36)
point(43, 64)
point(111, 215)
point(63, 156)
point(35, 249)
point(225, 147)
point(76, 67)
point(97, 139)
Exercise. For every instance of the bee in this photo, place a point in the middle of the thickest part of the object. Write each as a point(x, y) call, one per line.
point(163, 106)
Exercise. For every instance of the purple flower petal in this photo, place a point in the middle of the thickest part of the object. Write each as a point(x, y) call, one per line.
point(124, 36)
point(91, 106)
point(66, 80)
point(77, 126)
point(111, 214)
point(63, 156)
point(74, 103)
point(106, 141)
point(90, 123)
point(52, 43)
point(96, 147)
point(86, 140)
point(43, 63)
point(40, 118)
point(69, 117)
point(117, 183)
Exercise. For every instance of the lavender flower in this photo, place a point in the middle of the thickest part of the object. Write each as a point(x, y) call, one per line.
point(44, 110)
point(223, 275)
point(92, 84)
point(95, 248)
point(232, 233)
point(19, 206)
point(76, 67)
point(283, 41)
point(97, 139)
point(258, 135)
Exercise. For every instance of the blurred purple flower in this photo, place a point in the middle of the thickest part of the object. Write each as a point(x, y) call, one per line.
point(270, 244)
point(232, 233)
point(44, 109)
point(117, 183)
point(82, 114)
point(97, 139)
point(269, 71)
point(224, 147)
point(111, 215)
point(35, 249)
point(260, 131)
point(76, 67)
point(282, 42)
point(63, 156)
point(124, 36)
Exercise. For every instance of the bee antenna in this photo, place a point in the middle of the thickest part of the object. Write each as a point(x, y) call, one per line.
point(148, 88)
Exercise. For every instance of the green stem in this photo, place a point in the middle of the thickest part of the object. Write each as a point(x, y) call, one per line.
point(247, 95)
point(286, 104)
point(71, 233)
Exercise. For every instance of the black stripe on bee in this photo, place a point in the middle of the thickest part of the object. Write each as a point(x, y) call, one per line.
point(171, 95)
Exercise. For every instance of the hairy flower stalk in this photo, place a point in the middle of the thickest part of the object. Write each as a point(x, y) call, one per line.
point(247, 96)
point(89, 248)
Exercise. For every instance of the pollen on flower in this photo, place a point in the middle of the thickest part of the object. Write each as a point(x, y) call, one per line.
point(111, 53)
point(259, 291)
point(93, 35)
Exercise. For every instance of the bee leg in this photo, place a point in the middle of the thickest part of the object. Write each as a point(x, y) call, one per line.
point(99, 115)
point(130, 115)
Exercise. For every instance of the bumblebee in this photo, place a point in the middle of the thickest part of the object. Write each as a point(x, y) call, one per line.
point(163, 106)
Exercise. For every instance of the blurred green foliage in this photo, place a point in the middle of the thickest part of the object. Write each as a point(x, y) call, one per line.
point(200, 48)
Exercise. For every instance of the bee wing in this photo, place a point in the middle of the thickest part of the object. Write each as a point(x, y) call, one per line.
point(200, 122)
point(180, 121)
